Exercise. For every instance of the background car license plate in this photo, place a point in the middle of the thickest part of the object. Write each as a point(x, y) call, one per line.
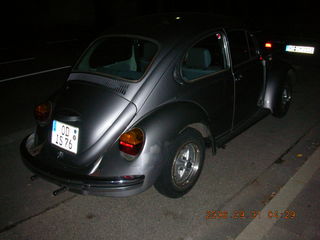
point(65, 136)
point(300, 49)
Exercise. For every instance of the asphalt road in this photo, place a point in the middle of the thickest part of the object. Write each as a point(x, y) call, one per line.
point(243, 176)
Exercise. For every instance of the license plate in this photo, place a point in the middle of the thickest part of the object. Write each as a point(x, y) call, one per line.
point(300, 49)
point(65, 136)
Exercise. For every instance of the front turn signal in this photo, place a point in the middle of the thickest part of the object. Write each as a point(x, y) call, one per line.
point(131, 142)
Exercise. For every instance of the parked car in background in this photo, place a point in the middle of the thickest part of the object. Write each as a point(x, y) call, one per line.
point(147, 98)
point(296, 48)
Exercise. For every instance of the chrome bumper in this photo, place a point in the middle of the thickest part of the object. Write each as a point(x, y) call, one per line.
point(82, 184)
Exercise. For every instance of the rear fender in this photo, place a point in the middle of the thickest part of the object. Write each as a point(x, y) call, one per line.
point(160, 128)
point(164, 124)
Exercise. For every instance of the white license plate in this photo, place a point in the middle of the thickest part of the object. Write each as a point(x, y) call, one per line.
point(65, 136)
point(300, 49)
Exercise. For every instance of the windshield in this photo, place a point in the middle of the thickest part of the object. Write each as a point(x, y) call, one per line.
point(121, 57)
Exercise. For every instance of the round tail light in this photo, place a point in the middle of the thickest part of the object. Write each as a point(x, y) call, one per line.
point(131, 142)
point(42, 112)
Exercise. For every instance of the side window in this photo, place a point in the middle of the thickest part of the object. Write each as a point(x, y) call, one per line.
point(204, 58)
point(238, 46)
point(252, 45)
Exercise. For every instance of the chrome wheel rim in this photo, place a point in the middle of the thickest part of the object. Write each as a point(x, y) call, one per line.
point(186, 165)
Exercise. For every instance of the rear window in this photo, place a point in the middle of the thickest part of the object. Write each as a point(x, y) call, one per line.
point(120, 57)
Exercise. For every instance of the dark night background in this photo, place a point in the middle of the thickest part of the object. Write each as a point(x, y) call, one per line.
point(31, 22)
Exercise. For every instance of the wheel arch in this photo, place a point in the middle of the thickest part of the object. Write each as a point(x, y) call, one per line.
point(205, 131)
point(277, 74)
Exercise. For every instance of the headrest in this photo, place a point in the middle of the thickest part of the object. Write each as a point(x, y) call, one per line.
point(199, 58)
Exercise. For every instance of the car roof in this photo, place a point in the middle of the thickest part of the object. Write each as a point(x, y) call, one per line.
point(169, 26)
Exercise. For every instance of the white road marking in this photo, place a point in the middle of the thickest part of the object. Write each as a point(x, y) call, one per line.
point(32, 74)
point(17, 60)
point(259, 227)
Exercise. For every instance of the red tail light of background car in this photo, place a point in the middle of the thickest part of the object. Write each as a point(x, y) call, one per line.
point(268, 45)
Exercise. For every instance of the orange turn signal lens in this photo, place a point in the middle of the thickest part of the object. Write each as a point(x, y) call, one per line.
point(42, 112)
point(131, 142)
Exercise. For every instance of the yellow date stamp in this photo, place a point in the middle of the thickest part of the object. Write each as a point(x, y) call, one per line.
point(252, 214)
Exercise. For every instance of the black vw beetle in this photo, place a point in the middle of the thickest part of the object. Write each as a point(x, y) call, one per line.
point(145, 100)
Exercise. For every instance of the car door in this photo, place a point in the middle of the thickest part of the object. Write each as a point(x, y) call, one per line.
point(248, 75)
point(205, 69)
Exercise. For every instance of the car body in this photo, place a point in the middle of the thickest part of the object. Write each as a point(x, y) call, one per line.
point(145, 100)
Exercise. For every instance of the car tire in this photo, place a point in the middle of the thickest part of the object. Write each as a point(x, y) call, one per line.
point(184, 161)
point(284, 99)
